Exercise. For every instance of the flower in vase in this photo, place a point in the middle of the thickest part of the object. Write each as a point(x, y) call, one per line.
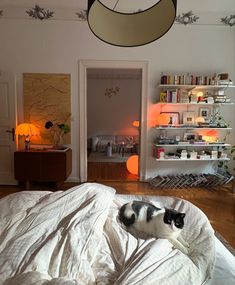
point(57, 131)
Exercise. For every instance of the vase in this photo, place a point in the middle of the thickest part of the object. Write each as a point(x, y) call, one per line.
point(57, 140)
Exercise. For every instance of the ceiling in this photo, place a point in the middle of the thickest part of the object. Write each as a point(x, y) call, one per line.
point(126, 5)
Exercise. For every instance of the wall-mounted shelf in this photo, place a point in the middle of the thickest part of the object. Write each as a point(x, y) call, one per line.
point(195, 87)
point(180, 99)
point(193, 145)
point(191, 160)
point(195, 104)
point(191, 128)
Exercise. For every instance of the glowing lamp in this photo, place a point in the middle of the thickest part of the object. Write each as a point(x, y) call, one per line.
point(132, 164)
point(199, 96)
point(136, 124)
point(200, 120)
point(27, 130)
point(211, 136)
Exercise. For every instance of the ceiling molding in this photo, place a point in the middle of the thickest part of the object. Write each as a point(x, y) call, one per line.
point(184, 18)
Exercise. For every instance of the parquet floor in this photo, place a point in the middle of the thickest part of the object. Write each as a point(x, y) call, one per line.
point(218, 204)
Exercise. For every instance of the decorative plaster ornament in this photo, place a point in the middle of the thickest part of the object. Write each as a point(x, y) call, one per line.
point(186, 18)
point(40, 13)
point(82, 15)
point(131, 29)
point(228, 20)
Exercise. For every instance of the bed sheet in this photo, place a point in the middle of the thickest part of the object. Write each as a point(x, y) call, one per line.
point(74, 237)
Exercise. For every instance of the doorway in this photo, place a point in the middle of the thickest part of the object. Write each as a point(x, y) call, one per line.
point(86, 68)
point(113, 112)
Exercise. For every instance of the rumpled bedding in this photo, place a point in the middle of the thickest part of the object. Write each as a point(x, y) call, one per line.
point(74, 237)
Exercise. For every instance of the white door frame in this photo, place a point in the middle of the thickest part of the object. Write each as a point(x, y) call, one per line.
point(113, 64)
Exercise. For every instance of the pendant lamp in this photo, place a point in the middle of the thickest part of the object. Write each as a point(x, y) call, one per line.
point(131, 29)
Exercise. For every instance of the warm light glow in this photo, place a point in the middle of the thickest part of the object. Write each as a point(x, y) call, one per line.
point(211, 136)
point(132, 164)
point(200, 94)
point(209, 139)
point(200, 120)
point(27, 129)
point(136, 124)
point(212, 133)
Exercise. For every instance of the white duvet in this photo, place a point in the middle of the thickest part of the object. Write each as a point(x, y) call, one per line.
point(75, 238)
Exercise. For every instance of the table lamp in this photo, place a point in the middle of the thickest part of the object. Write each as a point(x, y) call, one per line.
point(27, 130)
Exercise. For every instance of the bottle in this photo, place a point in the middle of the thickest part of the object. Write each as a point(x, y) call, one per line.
point(109, 150)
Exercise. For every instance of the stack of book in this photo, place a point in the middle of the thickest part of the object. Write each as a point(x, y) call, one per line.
point(222, 99)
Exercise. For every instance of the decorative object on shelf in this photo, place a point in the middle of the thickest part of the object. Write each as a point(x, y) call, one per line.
point(217, 120)
point(27, 130)
point(186, 18)
point(204, 113)
point(200, 121)
point(109, 92)
point(82, 15)
point(169, 118)
point(211, 136)
point(228, 20)
point(131, 29)
point(132, 164)
point(189, 118)
point(57, 132)
point(189, 136)
point(191, 180)
point(40, 13)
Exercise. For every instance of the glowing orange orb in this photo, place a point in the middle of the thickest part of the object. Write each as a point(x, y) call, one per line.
point(132, 164)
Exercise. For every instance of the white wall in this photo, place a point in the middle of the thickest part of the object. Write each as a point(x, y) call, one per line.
point(114, 115)
point(57, 46)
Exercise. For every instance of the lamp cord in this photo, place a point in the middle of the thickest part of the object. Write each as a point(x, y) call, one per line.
point(115, 4)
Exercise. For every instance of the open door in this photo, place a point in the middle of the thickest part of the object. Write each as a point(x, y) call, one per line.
point(7, 130)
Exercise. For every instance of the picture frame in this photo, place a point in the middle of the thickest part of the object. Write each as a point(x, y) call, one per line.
point(204, 112)
point(174, 118)
point(189, 118)
point(189, 136)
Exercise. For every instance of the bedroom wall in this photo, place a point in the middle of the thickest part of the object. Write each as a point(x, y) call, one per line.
point(106, 115)
point(57, 46)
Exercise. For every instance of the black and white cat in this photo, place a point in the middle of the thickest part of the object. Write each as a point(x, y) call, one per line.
point(146, 220)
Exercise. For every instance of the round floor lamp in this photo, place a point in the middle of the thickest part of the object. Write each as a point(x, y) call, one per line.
point(131, 29)
point(132, 164)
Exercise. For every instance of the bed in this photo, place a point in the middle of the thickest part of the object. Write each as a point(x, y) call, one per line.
point(74, 237)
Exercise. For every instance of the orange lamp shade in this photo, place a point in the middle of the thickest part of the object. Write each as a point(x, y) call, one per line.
point(27, 129)
point(212, 133)
point(132, 164)
point(136, 124)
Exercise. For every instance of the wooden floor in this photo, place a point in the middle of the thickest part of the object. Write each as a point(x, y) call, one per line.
point(217, 204)
point(109, 171)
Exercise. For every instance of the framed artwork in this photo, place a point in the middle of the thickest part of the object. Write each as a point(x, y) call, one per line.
point(188, 118)
point(170, 118)
point(47, 99)
point(204, 112)
point(189, 136)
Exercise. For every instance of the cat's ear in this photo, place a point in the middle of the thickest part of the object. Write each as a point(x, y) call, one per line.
point(182, 215)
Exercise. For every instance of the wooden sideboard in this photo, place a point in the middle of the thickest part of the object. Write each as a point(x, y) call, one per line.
point(43, 166)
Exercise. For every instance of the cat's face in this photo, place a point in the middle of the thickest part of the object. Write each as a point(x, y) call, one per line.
point(174, 218)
